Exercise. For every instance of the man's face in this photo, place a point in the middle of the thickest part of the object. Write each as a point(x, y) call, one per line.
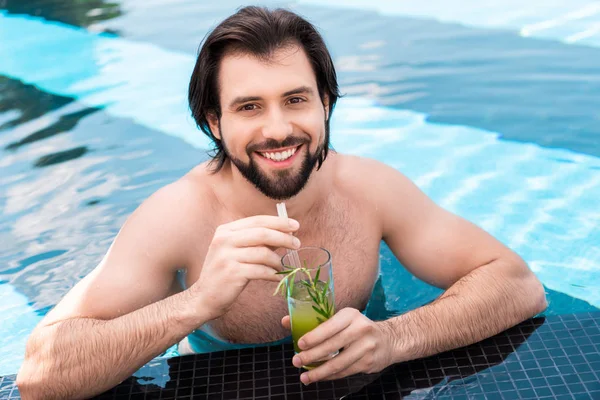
point(272, 124)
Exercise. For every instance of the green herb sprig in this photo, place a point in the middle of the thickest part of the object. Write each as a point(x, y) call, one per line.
point(318, 296)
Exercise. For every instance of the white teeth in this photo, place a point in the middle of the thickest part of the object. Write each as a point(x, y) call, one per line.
point(280, 156)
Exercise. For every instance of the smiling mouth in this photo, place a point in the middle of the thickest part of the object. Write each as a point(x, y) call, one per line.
point(279, 156)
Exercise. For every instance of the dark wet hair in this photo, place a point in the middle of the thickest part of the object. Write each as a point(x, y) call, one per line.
point(260, 32)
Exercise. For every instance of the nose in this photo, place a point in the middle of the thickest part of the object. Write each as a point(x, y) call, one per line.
point(277, 126)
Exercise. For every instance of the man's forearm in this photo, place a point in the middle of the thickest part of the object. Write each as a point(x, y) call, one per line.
point(81, 357)
point(489, 300)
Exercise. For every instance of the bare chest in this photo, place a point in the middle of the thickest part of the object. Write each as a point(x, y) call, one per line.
point(351, 236)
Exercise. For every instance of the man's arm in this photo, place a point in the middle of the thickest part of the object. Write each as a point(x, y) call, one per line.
point(118, 317)
point(489, 300)
point(81, 357)
point(489, 287)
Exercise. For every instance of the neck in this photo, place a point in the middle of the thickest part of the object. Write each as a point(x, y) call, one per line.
point(244, 199)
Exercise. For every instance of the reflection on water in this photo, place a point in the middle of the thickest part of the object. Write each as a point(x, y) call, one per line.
point(27, 100)
point(97, 170)
point(64, 124)
point(73, 12)
point(61, 156)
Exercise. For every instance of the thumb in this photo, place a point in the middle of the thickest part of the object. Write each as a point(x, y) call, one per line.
point(285, 321)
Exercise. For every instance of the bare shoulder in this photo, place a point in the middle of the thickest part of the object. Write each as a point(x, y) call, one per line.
point(188, 196)
point(375, 184)
point(367, 174)
point(174, 217)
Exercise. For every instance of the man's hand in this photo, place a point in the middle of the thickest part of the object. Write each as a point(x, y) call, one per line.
point(242, 251)
point(367, 346)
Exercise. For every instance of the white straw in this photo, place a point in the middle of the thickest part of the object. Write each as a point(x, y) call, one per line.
point(293, 254)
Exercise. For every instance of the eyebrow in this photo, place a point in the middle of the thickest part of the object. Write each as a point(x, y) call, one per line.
point(244, 99)
point(298, 90)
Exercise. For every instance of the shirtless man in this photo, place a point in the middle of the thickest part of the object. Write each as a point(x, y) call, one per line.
point(263, 89)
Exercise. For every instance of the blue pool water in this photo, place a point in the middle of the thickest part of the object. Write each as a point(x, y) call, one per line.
point(492, 110)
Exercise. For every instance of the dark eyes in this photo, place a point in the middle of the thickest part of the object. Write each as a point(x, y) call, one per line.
point(248, 107)
point(296, 100)
point(253, 107)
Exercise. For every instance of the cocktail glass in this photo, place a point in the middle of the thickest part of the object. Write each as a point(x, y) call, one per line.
point(310, 293)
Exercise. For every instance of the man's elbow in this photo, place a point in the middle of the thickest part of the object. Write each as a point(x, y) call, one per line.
point(30, 378)
point(534, 293)
point(540, 303)
point(28, 381)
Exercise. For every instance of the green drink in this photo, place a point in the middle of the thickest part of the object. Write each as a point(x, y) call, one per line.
point(309, 292)
point(303, 316)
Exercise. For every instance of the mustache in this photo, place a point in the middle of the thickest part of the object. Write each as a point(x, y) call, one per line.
point(272, 144)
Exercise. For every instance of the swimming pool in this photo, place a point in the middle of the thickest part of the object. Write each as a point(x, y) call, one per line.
point(493, 112)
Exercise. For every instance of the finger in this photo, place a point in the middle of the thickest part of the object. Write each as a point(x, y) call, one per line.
point(335, 366)
point(326, 330)
point(285, 321)
point(351, 370)
point(259, 255)
point(264, 221)
point(264, 237)
point(259, 272)
point(342, 340)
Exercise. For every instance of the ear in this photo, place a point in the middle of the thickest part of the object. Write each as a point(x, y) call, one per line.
point(213, 124)
point(326, 106)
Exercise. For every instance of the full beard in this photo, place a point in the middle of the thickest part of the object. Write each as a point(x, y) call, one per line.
point(282, 184)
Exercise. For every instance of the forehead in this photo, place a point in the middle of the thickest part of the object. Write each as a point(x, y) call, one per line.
point(242, 74)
